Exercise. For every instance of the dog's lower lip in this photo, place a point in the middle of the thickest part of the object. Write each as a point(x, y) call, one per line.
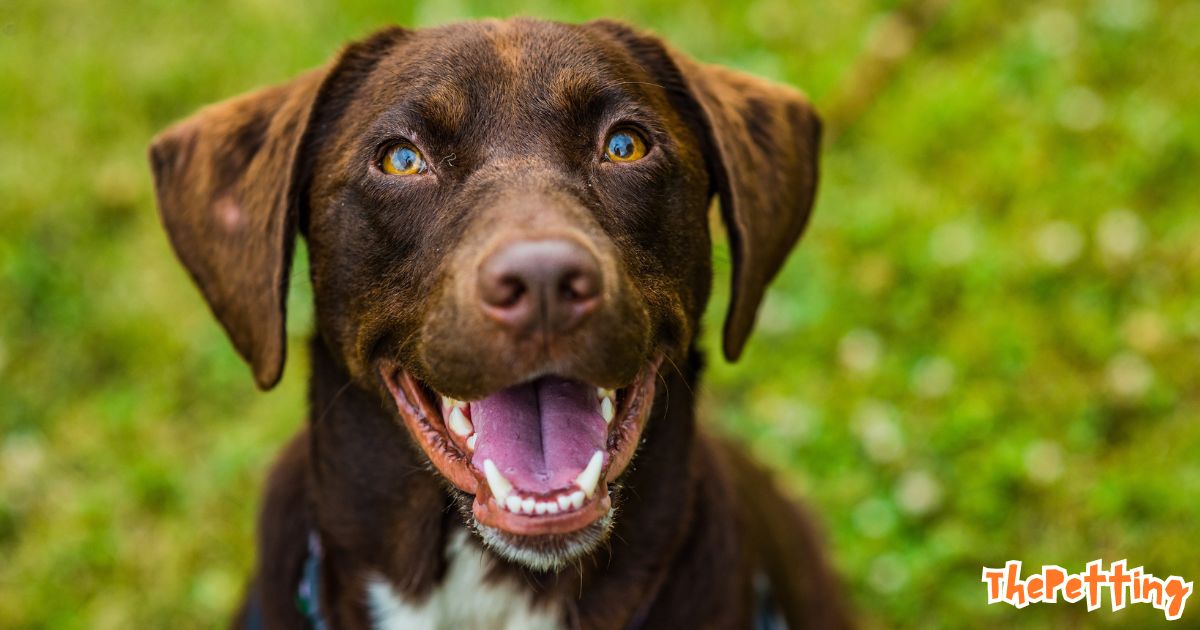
point(447, 436)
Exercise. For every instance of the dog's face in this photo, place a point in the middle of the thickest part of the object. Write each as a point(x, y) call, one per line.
point(507, 225)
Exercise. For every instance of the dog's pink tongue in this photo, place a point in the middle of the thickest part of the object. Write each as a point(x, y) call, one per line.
point(540, 435)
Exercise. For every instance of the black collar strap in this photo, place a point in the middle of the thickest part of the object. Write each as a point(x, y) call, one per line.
point(308, 592)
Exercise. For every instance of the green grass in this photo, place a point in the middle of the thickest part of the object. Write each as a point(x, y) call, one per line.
point(986, 348)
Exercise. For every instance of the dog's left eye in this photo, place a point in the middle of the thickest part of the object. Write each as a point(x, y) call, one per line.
point(625, 145)
point(403, 159)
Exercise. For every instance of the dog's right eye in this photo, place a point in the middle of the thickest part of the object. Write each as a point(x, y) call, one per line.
point(625, 145)
point(403, 159)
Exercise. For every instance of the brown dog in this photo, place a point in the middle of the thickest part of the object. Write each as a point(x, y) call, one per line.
point(510, 255)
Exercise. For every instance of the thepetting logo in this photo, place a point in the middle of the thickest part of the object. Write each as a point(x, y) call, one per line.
point(1133, 586)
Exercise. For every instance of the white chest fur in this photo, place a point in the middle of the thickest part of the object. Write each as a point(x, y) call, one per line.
point(463, 600)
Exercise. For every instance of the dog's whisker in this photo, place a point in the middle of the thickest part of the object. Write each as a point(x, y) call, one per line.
point(666, 396)
point(338, 394)
point(616, 83)
point(680, 373)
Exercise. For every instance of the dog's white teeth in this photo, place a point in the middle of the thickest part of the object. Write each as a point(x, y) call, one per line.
point(471, 441)
point(508, 499)
point(590, 476)
point(459, 423)
point(501, 487)
point(449, 402)
point(517, 504)
point(608, 403)
point(607, 410)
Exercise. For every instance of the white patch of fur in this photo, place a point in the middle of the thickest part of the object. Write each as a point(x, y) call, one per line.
point(463, 600)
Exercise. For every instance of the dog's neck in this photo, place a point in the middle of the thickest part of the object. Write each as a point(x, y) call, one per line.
point(383, 512)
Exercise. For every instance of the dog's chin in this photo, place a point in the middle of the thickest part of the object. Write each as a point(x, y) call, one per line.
point(544, 552)
point(535, 465)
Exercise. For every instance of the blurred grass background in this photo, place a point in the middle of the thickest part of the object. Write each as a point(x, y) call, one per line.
point(986, 348)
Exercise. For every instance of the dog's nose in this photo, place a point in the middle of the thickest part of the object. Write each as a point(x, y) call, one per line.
point(549, 284)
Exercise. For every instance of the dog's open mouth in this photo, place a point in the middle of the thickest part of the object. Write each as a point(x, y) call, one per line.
point(538, 456)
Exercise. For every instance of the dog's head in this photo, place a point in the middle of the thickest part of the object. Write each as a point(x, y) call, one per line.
point(508, 234)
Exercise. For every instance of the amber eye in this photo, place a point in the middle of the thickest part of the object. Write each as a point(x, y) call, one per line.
point(625, 145)
point(403, 159)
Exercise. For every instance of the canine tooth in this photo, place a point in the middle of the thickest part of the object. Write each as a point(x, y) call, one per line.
point(459, 423)
point(564, 502)
point(590, 476)
point(605, 393)
point(577, 499)
point(451, 402)
point(501, 487)
point(607, 409)
point(527, 505)
point(471, 441)
point(513, 503)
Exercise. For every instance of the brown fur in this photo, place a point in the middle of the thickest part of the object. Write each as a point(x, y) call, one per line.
point(506, 113)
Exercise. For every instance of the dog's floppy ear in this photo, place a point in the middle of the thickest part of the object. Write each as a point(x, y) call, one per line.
point(766, 138)
point(228, 181)
point(762, 141)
